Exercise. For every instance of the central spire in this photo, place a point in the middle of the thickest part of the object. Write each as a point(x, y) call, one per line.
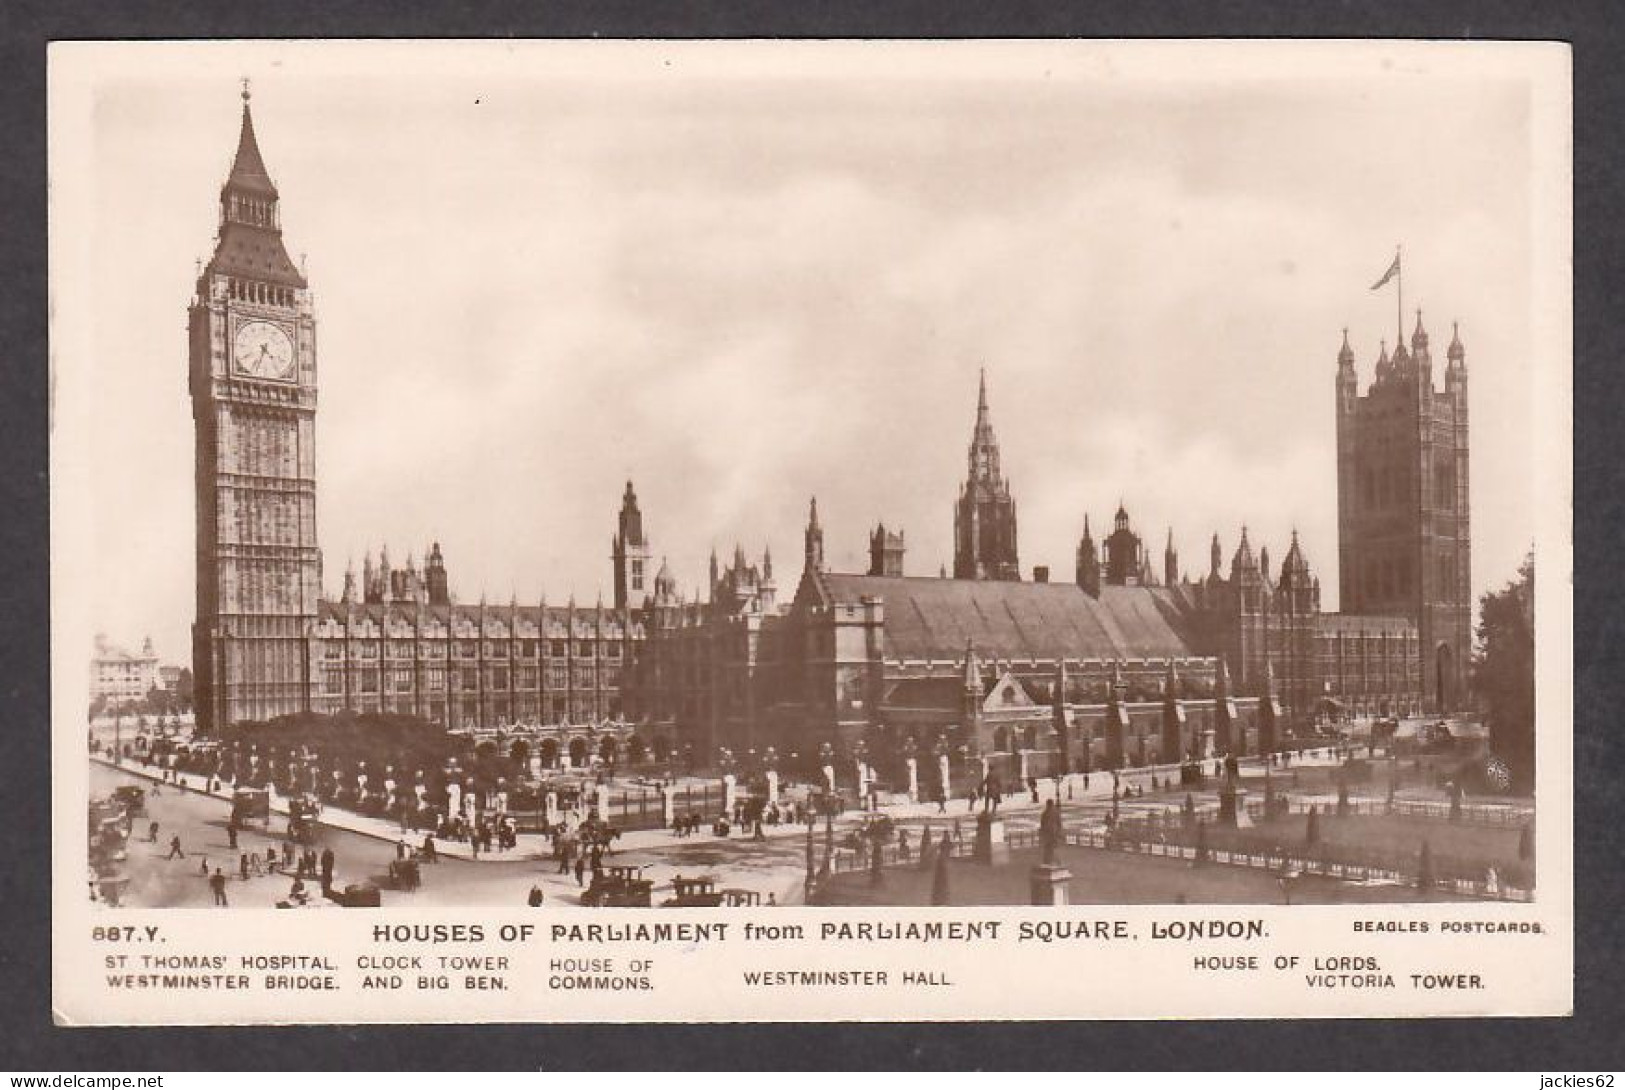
point(984, 447)
point(985, 516)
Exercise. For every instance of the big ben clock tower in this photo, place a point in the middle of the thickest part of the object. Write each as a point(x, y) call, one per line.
point(253, 385)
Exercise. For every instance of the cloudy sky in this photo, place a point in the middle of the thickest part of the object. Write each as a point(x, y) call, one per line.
point(741, 278)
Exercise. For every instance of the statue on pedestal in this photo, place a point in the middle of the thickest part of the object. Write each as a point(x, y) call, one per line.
point(1049, 832)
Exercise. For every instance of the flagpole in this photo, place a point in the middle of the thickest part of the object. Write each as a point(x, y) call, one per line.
point(1399, 312)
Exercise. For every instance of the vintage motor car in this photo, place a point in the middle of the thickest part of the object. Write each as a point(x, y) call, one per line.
point(619, 887)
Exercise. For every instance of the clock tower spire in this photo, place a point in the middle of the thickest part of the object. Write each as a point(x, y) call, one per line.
point(252, 333)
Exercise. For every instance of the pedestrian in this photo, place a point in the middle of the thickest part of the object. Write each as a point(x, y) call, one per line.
point(581, 870)
point(535, 899)
point(231, 834)
point(217, 883)
point(902, 846)
point(203, 866)
point(429, 851)
point(254, 863)
point(328, 862)
point(152, 833)
point(175, 849)
point(242, 866)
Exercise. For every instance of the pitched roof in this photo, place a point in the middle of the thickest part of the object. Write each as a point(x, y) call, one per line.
point(929, 618)
point(254, 253)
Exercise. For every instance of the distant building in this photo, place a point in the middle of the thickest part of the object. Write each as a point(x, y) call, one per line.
point(120, 676)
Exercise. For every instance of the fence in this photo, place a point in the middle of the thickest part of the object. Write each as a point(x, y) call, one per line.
point(1502, 817)
point(1172, 835)
point(1450, 875)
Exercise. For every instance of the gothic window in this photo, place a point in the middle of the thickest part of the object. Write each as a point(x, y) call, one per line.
point(403, 680)
point(469, 677)
point(556, 648)
point(527, 649)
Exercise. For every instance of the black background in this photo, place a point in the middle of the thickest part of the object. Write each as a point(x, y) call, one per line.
point(1587, 1041)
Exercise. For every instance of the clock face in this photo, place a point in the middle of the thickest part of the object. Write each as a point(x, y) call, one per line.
point(263, 350)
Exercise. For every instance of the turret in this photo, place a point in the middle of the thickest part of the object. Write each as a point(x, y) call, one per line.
point(971, 692)
point(813, 540)
point(1348, 380)
point(1215, 560)
point(1088, 566)
point(885, 552)
point(434, 573)
point(1170, 561)
point(1419, 340)
point(1301, 590)
point(1455, 374)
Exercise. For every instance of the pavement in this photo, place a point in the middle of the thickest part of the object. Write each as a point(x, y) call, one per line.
point(774, 867)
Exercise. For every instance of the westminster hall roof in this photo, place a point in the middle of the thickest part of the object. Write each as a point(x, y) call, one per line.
point(928, 618)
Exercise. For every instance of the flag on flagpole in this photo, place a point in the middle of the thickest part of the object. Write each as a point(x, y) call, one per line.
point(1393, 271)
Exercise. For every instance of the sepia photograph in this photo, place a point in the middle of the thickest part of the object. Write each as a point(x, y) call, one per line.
point(564, 477)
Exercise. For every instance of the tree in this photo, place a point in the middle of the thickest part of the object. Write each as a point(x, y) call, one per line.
point(1504, 673)
point(1311, 829)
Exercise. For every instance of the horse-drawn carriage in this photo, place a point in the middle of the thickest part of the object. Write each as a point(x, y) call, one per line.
point(251, 805)
point(406, 874)
point(619, 887)
point(302, 818)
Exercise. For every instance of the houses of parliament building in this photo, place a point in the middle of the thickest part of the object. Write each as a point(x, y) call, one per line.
point(1126, 661)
